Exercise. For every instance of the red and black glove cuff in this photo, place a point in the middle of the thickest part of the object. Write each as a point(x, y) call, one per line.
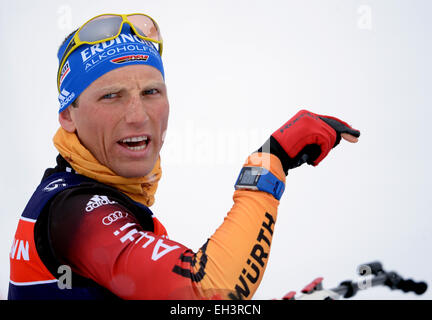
point(307, 137)
point(307, 154)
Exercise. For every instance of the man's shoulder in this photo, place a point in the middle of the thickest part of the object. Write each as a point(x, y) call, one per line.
point(71, 190)
point(88, 196)
point(61, 166)
point(92, 198)
point(73, 196)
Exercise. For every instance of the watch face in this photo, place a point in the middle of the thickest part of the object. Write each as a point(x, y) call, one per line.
point(249, 176)
point(261, 179)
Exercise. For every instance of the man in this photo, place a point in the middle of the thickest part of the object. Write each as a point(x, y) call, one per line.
point(90, 214)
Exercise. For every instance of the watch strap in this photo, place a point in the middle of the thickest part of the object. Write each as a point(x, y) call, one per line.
point(262, 180)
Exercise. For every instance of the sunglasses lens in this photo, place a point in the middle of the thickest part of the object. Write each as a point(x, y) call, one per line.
point(100, 28)
point(145, 26)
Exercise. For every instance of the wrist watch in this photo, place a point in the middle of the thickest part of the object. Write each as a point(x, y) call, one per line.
point(259, 178)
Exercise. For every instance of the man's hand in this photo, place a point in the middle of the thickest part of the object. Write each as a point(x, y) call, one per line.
point(308, 137)
point(349, 138)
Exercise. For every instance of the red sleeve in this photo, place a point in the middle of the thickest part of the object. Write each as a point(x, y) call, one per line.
point(109, 246)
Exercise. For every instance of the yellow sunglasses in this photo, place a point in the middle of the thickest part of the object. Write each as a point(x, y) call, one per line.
point(106, 27)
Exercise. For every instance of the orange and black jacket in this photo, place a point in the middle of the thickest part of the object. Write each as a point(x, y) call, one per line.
point(116, 247)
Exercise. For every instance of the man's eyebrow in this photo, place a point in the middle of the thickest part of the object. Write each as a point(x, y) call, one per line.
point(113, 88)
point(155, 84)
point(116, 87)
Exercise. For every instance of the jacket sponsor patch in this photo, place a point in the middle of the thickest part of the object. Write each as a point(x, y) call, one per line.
point(96, 201)
point(113, 217)
point(55, 184)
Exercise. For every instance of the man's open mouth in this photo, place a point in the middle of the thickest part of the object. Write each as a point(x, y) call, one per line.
point(135, 143)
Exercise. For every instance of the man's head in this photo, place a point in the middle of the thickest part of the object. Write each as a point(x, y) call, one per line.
point(120, 106)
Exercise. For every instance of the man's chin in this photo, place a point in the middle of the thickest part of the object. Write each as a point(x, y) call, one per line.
point(129, 167)
point(134, 173)
point(133, 170)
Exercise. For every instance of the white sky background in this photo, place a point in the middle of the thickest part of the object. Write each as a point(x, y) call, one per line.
point(236, 71)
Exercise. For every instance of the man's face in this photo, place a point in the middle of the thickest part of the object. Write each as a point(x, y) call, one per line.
point(121, 119)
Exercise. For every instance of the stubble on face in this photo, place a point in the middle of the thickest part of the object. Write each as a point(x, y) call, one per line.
point(121, 118)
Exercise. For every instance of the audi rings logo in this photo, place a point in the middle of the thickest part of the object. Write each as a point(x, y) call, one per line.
point(114, 216)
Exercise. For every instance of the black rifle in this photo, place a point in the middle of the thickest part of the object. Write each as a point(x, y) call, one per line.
point(372, 274)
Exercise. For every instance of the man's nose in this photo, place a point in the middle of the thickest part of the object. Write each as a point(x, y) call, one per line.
point(136, 111)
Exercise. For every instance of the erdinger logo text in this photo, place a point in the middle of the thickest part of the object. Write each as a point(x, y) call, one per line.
point(124, 43)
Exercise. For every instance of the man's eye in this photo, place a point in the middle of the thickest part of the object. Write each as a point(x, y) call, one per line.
point(109, 96)
point(151, 91)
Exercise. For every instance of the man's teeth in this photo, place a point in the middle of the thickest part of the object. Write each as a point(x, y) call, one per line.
point(136, 148)
point(135, 139)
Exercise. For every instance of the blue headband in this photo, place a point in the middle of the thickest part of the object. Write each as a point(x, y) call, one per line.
point(89, 62)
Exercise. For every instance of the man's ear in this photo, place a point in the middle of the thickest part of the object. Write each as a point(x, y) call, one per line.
point(66, 120)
